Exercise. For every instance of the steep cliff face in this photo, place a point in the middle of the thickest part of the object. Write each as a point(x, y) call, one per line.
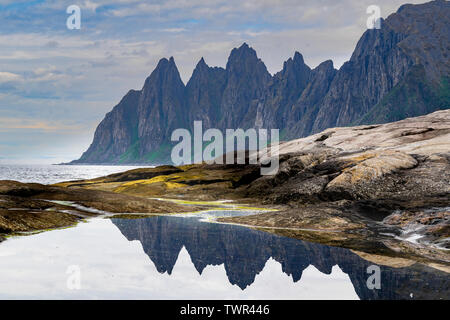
point(161, 107)
point(427, 30)
point(247, 78)
point(417, 35)
point(116, 133)
point(411, 97)
point(401, 70)
point(204, 93)
point(226, 98)
point(425, 88)
point(377, 64)
point(285, 88)
point(304, 110)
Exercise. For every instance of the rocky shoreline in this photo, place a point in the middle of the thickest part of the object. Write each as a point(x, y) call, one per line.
point(29, 207)
point(378, 189)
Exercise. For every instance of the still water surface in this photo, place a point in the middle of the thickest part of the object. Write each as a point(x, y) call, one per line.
point(171, 257)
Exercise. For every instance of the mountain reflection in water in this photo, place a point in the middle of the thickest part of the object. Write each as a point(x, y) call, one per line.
point(183, 258)
point(244, 253)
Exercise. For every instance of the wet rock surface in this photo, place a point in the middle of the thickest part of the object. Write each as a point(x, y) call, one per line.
point(35, 207)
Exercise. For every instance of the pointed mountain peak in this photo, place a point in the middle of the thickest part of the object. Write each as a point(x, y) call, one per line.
point(244, 55)
point(162, 62)
point(325, 68)
point(243, 51)
point(200, 69)
point(244, 46)
point(327, 64)
point(201, 64)
point(165, 64)
point(166, 69)
point(295, 64)
point(298, 57)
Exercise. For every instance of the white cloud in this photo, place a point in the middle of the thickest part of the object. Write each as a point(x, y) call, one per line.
point(174, 30)
point(34, 124)
point(9, 76)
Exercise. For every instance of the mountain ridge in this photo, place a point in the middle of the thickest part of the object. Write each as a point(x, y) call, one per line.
point(398, 71)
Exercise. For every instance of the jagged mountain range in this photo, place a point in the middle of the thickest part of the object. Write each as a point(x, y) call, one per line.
point(401, 70)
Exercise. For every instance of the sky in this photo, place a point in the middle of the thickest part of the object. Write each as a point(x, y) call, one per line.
point(57, 84)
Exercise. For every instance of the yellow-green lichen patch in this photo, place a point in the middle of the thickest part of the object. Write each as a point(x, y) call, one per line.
point(174, 185)
point(225, 205)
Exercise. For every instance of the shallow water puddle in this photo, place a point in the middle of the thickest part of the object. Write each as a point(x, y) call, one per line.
point(112, 267)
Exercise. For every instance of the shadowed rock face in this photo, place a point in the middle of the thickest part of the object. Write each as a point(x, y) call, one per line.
point(285, 88)
point(401, 70)
point(244, 253)
point(161, 107)
point(117, 132)
point(204, 94)
point(247, 77)
point(304, 110)
point(376, 65)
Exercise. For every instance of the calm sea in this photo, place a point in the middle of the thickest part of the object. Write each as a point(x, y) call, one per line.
point(48, 174)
